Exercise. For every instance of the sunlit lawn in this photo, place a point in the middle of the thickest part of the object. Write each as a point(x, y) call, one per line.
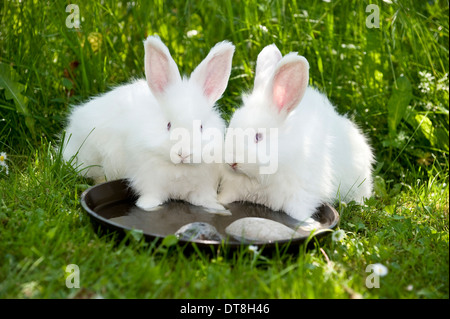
point(391, 80)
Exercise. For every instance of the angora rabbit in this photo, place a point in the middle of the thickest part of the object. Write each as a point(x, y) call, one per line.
point(287, 148)
point(145, 131)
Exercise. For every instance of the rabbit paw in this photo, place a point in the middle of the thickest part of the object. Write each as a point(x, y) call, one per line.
point(209, 203)
point(223, 211)
point(216, 208)
point(148, 203)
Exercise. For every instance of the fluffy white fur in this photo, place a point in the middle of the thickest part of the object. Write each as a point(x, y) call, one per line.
point(322, 156)
point(125, 133)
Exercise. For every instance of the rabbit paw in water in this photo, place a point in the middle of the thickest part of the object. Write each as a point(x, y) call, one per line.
point(211, 206)
point(149, 203)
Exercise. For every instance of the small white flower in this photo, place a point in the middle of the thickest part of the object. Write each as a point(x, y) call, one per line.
point(424, 87)
point(3, 165)
point(192, 33)
point(263, 28)
point(30, 289)
point(338, 235)
point(253, 248)
point(380, 269)
point(442, 84)
point(426, 76)
point(426, 79)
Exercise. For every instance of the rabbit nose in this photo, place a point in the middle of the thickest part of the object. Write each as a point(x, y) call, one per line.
point(183, 156)
point(233, 166)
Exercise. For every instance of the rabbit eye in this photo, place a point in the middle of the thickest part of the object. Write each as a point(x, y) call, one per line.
point(258, 137)
point(169, 125)
point(201, 128)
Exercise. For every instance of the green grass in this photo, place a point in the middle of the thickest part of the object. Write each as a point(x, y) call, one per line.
point(392, 81)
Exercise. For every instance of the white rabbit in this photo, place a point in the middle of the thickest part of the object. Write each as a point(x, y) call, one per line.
point(316, 155)
point(128, 132)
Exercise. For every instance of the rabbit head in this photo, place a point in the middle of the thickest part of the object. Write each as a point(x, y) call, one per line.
point(280, 83)
point(187, 104)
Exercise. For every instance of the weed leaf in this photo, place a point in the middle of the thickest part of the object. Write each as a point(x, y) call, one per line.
point(398, 103)
point(9, 83)
point(426, 127)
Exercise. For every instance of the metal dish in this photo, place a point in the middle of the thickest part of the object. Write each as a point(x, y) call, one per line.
point(111, 205)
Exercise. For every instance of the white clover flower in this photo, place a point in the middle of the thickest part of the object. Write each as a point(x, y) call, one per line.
point(192, 33)
point(338, 235)
point(3, 165)
point(263, 28)
point(426, 76)
point(426, 79)
point(30, 289)
point(424, 87)
point(253, 248)
point(442, 84)
point(380, 269)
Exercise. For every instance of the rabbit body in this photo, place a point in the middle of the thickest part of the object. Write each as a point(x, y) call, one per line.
point(129, 132)
point(98, 130)
point(321, 156)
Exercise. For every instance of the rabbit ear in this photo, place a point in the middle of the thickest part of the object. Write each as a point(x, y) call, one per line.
point(266, 63)
point(289, 82)
point(161, 70)
point(213, 72)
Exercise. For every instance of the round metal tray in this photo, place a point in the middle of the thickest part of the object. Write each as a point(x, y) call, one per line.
point(112, 206)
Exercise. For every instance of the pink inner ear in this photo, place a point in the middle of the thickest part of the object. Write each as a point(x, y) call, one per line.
point(289, 85)
point(280, 97)
point(216, 77)
point(210, 84)
point(157, 69)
